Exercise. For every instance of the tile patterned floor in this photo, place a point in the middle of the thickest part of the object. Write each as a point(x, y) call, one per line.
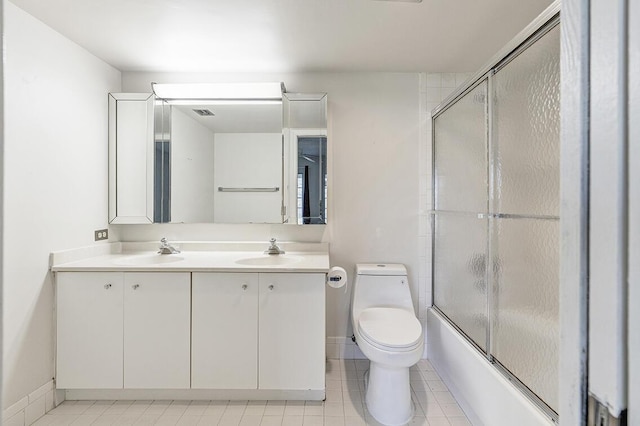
point(344, 406)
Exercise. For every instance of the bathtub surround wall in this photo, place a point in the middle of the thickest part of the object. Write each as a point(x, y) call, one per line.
point(55, 191)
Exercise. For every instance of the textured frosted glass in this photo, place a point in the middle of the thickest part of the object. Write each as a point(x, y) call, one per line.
point(527, 131)
point(525, 294)
point(459, 273)
point(461, 154)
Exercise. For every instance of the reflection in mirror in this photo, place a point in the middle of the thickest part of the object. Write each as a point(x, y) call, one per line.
point(312, 180)
point(162, 163)
point(226, 162)
point(306, 144)
point(239, 158)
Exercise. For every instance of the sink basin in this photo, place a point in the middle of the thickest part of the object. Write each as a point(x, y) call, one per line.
point(269, 260)
point(148, 259)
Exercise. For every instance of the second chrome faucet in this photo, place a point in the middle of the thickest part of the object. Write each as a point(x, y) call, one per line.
point(273, 248)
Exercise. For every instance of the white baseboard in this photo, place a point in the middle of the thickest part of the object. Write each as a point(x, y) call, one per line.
point(343, 348)
point(195, 394)
point(33, 406)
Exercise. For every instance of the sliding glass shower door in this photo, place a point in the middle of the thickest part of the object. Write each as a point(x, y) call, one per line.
point(496, 224)
point(524, 211)
point(461, 225)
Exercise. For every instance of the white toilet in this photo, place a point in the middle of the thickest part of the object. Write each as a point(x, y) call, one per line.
point(389, 335)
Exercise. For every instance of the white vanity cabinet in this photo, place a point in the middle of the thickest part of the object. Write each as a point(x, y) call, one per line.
point(292, 331)
point(224, 331)
point(89, 330)
point(157, 325)
point(123, 330)
point(258, 330)
point(186, 329)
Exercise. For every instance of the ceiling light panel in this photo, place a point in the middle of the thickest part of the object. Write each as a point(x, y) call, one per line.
point(221, 91)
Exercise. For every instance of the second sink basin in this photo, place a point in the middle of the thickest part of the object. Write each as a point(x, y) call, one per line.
point(148, 259)
point(269, 260)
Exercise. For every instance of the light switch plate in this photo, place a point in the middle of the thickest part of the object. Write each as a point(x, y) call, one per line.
point(101, 234)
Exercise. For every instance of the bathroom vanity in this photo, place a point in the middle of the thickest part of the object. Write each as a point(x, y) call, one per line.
point(218, 320)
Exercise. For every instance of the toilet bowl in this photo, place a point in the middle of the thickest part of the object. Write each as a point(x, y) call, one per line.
point(389, 335)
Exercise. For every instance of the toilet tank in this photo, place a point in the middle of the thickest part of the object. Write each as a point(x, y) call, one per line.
point(384, 285)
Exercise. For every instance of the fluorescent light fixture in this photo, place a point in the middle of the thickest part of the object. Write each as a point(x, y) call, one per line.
point(221, 102)
point(404, 1)
point(219, 91)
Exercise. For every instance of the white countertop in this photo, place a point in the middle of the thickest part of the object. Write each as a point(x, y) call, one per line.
point(194, 257)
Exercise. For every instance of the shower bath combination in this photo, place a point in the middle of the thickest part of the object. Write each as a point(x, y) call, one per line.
point(496, 180)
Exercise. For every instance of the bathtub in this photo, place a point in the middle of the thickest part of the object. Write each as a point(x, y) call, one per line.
point(487, 397)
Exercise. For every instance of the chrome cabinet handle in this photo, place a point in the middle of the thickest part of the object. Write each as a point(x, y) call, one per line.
point(135, 286)
point(244, 287)
point(107, 286)
point(270, 287)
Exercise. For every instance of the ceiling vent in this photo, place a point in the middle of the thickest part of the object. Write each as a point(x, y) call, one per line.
point(203, 112)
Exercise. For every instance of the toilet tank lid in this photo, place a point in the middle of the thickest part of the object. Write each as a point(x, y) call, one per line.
point(394, 269)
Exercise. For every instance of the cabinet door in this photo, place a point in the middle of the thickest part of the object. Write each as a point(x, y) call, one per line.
point(225, 331)
point(292, 331)
point(157, 330)
point(89, 330)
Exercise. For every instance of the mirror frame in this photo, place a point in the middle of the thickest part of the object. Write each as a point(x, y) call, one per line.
point(123, 210)
point(290, 157)
point(123, 136)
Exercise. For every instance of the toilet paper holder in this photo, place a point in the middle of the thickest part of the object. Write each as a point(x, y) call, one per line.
point(337, 277)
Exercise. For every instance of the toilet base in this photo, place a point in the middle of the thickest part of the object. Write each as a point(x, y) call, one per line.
point(388, 394)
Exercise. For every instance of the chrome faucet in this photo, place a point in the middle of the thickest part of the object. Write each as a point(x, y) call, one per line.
point(273, 248)
point(166, 248)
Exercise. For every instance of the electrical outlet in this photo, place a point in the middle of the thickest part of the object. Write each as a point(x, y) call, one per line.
point(101, 234)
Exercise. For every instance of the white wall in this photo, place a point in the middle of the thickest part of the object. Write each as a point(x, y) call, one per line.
point(2, 49)
point(373, 176)
point(55, 182)
point(248, 160)
point(192, 186)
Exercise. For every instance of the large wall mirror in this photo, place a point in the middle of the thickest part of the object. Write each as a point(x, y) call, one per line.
point(220, 154)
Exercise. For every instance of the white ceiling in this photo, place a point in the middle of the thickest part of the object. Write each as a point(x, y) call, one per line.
point(237, 118)
point(289, 35)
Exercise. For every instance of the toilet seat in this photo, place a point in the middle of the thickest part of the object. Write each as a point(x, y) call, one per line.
point(390, 329)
